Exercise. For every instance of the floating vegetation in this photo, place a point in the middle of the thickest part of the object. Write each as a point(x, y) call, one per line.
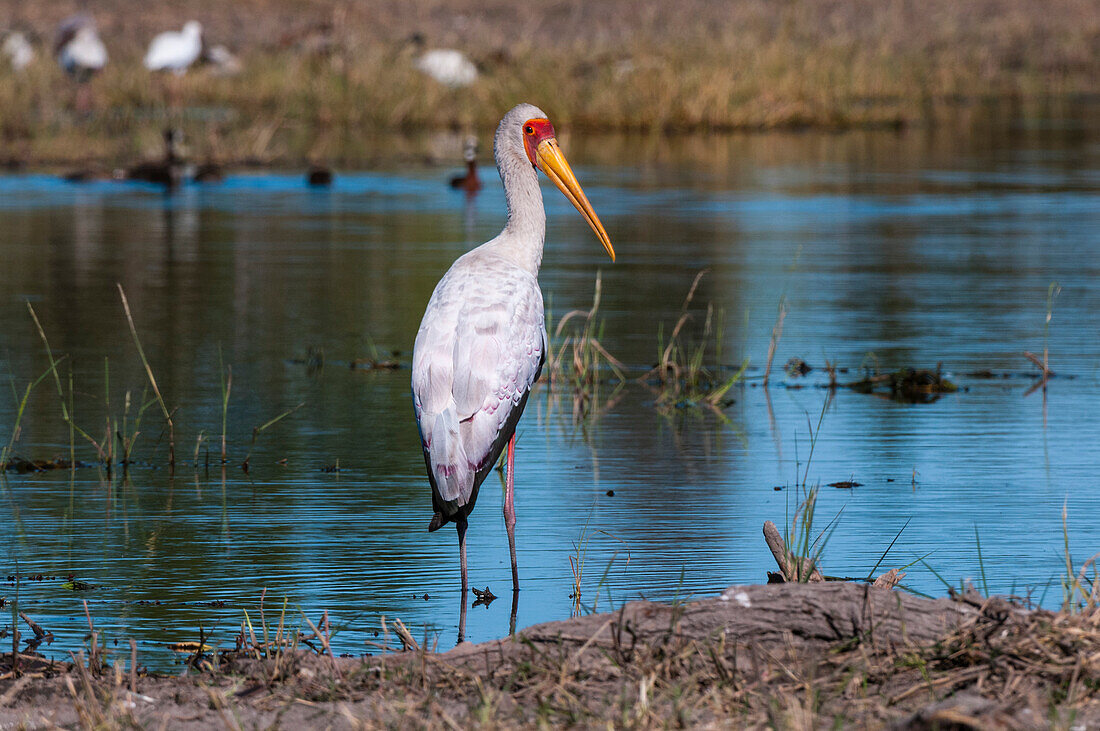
point(18, 464)
point(315, 360)
point(907, 385)
point(189, 647)
point(372, 364)
point(376, 361)
point(845, 484)
point(796, 367)
point(75, 584)
point(14, 578)
point(483, 598)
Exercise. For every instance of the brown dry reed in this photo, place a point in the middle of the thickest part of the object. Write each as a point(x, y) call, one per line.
point(319, 80)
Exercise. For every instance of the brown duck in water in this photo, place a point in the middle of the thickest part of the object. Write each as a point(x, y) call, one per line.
point(468, 182)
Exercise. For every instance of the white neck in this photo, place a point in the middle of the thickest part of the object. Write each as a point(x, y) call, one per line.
point(525, 232)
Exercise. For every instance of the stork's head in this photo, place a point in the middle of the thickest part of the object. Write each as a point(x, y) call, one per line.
point(526, 133)
point(192, 28)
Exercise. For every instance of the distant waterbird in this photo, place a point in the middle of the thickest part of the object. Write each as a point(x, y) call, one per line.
point(170, 170)
point(17, 48)
point(80, 51)
point(468, 181)
point(446, 65)
point(223, 61)
point(319, 176)
point(208, 172)
point(81, 54)
point(91, 174)
point(482, 342)
point(175, 50)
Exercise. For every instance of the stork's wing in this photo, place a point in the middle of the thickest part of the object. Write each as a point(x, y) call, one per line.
point(479, 350)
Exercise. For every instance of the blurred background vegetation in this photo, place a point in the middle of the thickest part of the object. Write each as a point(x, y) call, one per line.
point(320, 80)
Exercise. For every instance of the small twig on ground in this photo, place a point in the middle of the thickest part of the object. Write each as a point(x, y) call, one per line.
point(39, 633)
point(133, 665)
point(783, 557)
point(324, 641)
point(93, 643)
point(889, 580)
point(408, 642)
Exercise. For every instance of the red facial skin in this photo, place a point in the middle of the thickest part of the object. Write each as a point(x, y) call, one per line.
point(534, 132)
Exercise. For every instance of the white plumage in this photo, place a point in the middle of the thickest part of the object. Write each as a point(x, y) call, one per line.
point(448, 66)
point(478, 352)
point(482, 341)
point(175, 50)
point(80, 52)
point(18, 49)
point(225, 63)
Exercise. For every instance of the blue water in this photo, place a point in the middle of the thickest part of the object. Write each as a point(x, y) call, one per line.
point(887, 250)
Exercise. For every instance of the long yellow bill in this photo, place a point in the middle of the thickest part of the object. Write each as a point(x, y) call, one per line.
point(553, 163)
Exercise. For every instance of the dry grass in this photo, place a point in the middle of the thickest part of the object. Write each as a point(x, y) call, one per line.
point(996, 666)
point(577, 362)
point(690, 372)
point(320, 78)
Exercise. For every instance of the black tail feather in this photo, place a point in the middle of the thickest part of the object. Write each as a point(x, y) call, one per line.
point(437, 522)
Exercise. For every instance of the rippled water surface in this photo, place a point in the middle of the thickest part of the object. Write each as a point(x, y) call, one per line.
point(889, 250)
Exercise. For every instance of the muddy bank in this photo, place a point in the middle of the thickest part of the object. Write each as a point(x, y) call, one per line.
point(789, 655)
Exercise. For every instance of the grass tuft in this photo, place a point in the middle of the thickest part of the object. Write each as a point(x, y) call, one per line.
point(691, 373)
point(152, 381)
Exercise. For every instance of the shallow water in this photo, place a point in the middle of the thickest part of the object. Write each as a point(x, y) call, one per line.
point(917, 248)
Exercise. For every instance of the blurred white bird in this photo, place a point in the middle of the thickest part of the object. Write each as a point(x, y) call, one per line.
point(222, 59)
point(78, 47)
point(175, 50)
point(18, 50)
point(448, 66)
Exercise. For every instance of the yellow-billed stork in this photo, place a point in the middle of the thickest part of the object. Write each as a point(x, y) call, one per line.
point(482, 342)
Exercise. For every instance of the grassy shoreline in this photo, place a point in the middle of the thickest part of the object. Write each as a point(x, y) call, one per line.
point(319, 81)
point(778, 656)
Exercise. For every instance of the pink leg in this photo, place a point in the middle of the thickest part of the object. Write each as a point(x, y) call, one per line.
point(510, 510)
point(460, 524)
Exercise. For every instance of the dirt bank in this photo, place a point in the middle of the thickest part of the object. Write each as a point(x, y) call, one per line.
point(788, 655)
